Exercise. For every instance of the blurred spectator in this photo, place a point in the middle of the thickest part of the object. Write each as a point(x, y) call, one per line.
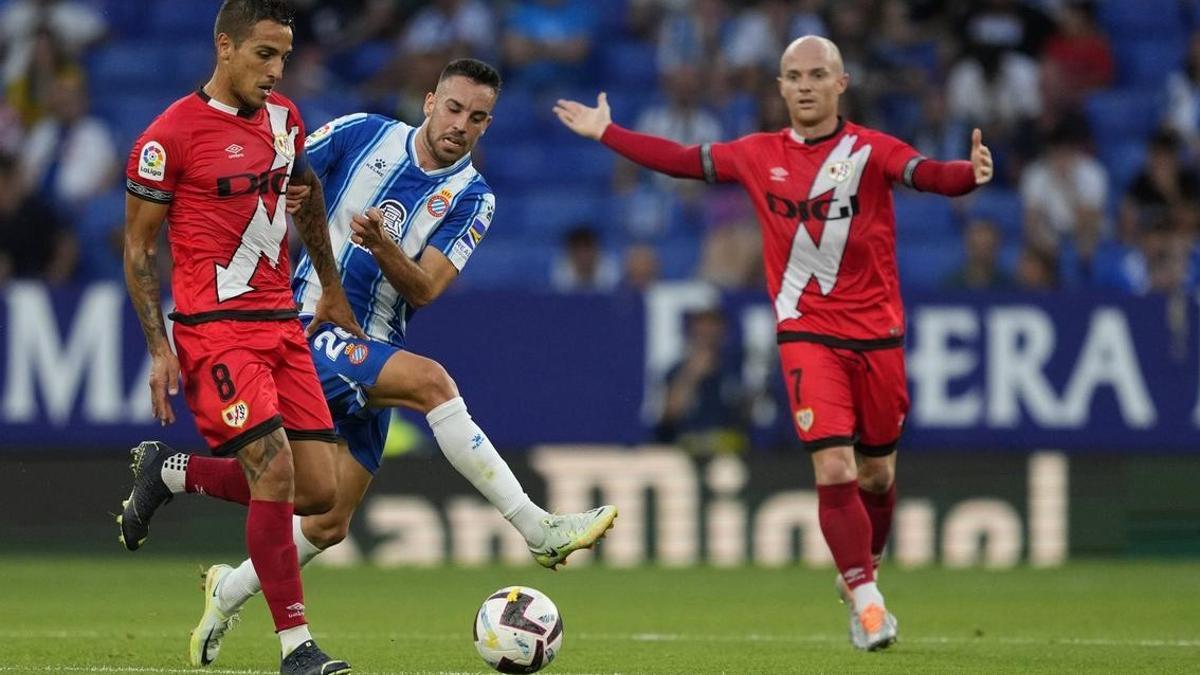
point(33, 242)
point(937, 135)
point(1164, 194)
point(903, 64)
point(69, 156)
point(545, 41)
point(1164, 261)
point(1077, 59)
point(694, 37)
point(28, 90)
point(1183, 99)
point(12, 130)
point(981, 269)
point(642, 267)
point(1064, 193)
point(73, 25)
point(995, 89)
point(705, 406)
point(731, 253)
point(1036, 270)
point(760, 32)
point(683, 119)
point(583, 265)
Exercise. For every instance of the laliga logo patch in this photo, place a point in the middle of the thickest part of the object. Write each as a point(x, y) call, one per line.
point(236, 414)
point(283, 145)
point(840, 171)
point(804, 418)
point(439, 203)
point(356, 353)
point(153, 162)
point(317, 135)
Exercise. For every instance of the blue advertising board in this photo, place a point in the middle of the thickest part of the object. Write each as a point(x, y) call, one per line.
point(1072, 372)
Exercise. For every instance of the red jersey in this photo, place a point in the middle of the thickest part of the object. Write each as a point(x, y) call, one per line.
point(828, 226)
point(224, 173)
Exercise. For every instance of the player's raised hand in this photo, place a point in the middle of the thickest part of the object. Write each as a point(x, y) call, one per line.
point(367, 230)
point(981, 158)
point(584, 120)
point(164, 383)
point(296, 194)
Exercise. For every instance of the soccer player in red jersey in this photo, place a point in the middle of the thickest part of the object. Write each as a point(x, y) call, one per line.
point(216, 165)
point(822, 189)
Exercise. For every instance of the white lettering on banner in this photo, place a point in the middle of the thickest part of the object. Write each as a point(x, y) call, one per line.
point(987, 529)
point(934, 363)
point(1020, 343)
point(623, 477)
point(978, 531)
point(40, 360)
point(1108, 358)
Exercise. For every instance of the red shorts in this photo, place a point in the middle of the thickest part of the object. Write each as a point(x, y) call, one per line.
point(245, 379)
point(845, 396)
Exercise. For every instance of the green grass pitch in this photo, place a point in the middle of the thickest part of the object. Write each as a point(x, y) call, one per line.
point(133, 614)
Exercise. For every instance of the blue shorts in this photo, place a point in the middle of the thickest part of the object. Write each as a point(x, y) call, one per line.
point(347, 366)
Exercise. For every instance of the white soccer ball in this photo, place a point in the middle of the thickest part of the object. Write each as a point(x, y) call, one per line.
point(518, 630)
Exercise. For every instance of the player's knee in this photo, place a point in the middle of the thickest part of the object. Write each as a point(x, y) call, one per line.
point(834, 466)
point(875, 475)
point(270, 460)
point(437, 386)
point(326, 532)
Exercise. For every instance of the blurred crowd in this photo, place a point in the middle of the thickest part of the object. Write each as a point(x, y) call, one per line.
point(1091, 108)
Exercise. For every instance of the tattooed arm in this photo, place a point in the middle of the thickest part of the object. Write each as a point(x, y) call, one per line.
point(143, 220)
point(310, 220)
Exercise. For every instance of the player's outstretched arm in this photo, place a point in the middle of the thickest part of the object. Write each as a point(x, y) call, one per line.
point(420, 283)
point(652, 152)
point(310, 220)
point(957, 177)
point(143, 219)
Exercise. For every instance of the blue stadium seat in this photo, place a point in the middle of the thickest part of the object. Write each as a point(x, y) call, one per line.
point(923, 217)
point(631, 62)
point(1000, 205)
point(182, 19)
point(1141, 17)
point(679, 257)
point(1123, 159)
point(129, 68)
point(1147, 61)
point(928, 264)
point(193, 63)
point(1123, 113)
point(511, 262)
point(546, 214)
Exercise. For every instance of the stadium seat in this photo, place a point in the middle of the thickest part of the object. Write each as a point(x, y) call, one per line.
point(1141, 17)
point(546, 214)
point(928, 265)
point(127, 68)
point(1123, 159)
point(1148, 61)
point(181, 19)
point(631, 62)
point(193, 63)
point(1000, 205)
point(923, 217)
point(510, 262)
point(1123, 113)
point(679, 257)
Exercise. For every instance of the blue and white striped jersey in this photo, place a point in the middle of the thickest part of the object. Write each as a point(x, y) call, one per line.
point(369, 160)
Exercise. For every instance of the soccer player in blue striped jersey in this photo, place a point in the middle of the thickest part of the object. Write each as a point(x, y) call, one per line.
point(406, 211)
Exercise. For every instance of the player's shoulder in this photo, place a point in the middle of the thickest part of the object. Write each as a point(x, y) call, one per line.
point(869, 134)
point(354, 125)
point(180, 114)
point(276, 98)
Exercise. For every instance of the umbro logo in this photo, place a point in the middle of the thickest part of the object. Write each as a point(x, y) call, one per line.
point(295, 609)
point(235, 151)
point(779, 174)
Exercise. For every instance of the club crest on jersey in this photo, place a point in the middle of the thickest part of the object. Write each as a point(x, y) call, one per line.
point(236, 414)
point(804, 418)
point(283, 145)
point(840, 171)
point(394, 215)
point(356, 353)
point(152, 163)
point(439, 203)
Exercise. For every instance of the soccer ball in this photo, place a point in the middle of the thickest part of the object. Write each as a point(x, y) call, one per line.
point(518, 630)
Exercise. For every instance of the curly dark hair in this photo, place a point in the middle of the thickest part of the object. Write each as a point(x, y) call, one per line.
point(237, 18)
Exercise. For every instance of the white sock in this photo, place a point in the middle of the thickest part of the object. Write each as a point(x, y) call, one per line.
point(290, 638)
point(866, 595)
point(242, 583)
point(174, 472)
point(472, 454)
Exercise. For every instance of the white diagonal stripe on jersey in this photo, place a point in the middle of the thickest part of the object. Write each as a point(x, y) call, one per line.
point(806, 258)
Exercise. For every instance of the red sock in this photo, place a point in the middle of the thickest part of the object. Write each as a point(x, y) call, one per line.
point(879, 507)
point(219, 477)
point(269, 540)
point(847, 530)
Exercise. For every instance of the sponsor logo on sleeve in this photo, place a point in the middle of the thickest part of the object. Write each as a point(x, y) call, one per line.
point(460, 252)
point(477, 231)
point(236, 415)
point(152, 163)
